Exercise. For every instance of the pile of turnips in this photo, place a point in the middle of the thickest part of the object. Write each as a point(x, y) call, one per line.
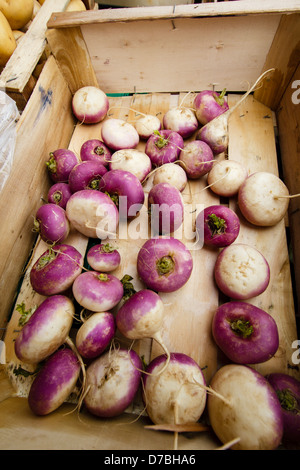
point(87, 194)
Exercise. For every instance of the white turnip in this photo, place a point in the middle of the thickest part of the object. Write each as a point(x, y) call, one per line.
point(86, 175)
point(171, 173)
point(175, 394)
point(60, 163)
point(90, 104)
point(218, 225)
point(133, 160)
point(93, 214)
point(146, 125)
point(226, 177)
point(241, 271)
point(196, 158)
point(164, 147)
point(54, 382)
point(166, 209)
point(46, 330)
point(118, 134)
point(249, 409)
point(95, 334)
point(181, 120)
point(95, 150)
point(209, 104)
point(56, 269)
point(103, 257)
point(59, 193)
point(263, 199)
point(97, 292)
point(245, 333)
point(164, 264)
point(113, 380)
point(51, 223)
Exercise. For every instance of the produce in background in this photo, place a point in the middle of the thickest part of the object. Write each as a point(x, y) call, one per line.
point(112, 382)
point(96, 150)
point(171, 173)
point(164, 147)
point(90, 105)
point(165, 208)
point(241, 271)
point(245, 333)
point(76, 5)
point(181, 120)
point(7, 40)
point(118, 134)
point(60, 164)
point(217, 225)
point(133, 160)
point(17, 12)
point(59, 193)
point(196, 158)
point(146, 125)
point(103, 257)
point(86, 175)
point(95, 334)
point(51, 223)
point(226, 177)
point(246, 409)
point(210, 104)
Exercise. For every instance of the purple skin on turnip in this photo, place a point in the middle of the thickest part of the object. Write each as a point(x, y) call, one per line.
point(56, 269)
point(90, 105)
point(196, 159)
point(59, 194)
point(60, 163)
point(95, 334)
point(86, 175)
point(245, 333)
point(54, 382)
point(164, 264)
point(125, 190)
point(287, 389)
point(164, 147)
point(181, 120)
point(177, 394)
point(218, 225)
point(46, 330)
point(97, 292)
point(103, 257)
point(51, 223)
point(95, 150)
point(165, 207)
point(210, 104)
point(113, 380)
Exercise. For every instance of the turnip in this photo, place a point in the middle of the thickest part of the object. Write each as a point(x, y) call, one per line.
point(245, 333)
point(263, 199)
point(196, 158)
point(209, 104)
point(226, 177)
point(46, 330)
point(60, 163)
point(113, 380)
point(164, 264)
point(133, 160)
point(241, 271)
point(59, 193)
point(103, 257)
point(218, 225)
point(164, 147)
point(215, 132)
point(95, 334)
point(287, 389)
point(93, 214)
point(96, 291)
point(90, 104)
point(166, 209)
point(141, 316)
point(56, 269)
point(171, 173)
point(176, 394)
point(95, 150)
point(146, 125)
point(86, 175)
point(181, 120)
point(51, 223)
point(249, 409)
point(54, 382)
point(118, 134)
point(126, 191)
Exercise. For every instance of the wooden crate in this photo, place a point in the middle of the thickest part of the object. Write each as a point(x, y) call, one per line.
point(108, 48)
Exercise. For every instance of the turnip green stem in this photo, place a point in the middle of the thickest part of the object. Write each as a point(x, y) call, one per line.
point(161, 142)
point(287, 400)
point(165, 265)
point(241, 328)
point(216, 224)
point(51, 163)
point(103, 277)
point(99, 150)
point(220, 98)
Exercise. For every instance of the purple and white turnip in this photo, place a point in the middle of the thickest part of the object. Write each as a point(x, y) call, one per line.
point(133, 160)
point(103, 257)
point(196, 158)
point(90, 104)
point(166, 209)
point(86, 175)
point(245, 333)
point(146, 125)
point(60, 163)
point(51, 223)
point(226, 177)
point(95, 334)
point(164, 264)
point(209, 104)
point(164, 147)
point(118, 134)
point(171, 173)
point(59, 193)
point(95, 150)
point(217, 225)
point(181, 120)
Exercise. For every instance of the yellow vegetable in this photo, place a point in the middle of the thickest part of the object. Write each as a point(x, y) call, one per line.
point(17, 12)
point(18, 35)
point(76, 5)
point(7, 40)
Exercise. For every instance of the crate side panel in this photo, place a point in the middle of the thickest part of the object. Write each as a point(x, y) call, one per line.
point(182, 54)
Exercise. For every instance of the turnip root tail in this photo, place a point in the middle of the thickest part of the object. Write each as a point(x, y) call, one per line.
point(229, 444)
point(70, 343)
point(213, 392)
point(289, 196)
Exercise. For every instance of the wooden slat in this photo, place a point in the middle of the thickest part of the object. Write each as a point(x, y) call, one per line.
point(252, 142)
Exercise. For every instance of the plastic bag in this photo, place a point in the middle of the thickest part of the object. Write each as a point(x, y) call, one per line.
point(9, 116)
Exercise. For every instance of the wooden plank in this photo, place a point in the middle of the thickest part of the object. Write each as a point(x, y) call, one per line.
point(252, 142)
point(68, 47)
point(284, 57)
point(246, 7)
point(288, 118)
point(28, 182)
point(16, 75)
